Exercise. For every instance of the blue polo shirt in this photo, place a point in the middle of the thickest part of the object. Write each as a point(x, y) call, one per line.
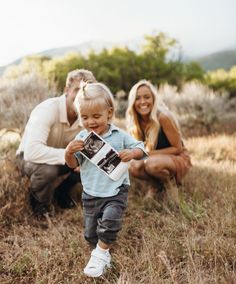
point(94, 181)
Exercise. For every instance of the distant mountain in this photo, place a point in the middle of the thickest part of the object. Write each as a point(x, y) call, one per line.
point(97, 46)
point(84, 48)
point(223, 59)
point(16, 62)
point(2, 68)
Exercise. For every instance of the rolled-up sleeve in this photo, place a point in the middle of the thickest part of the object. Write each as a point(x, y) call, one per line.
point(78, 155)
point(131, 143)
point(36, 135)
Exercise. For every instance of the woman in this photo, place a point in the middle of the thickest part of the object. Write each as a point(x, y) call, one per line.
point(149, 120)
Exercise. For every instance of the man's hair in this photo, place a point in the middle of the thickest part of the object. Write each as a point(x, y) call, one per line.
point(74, 77)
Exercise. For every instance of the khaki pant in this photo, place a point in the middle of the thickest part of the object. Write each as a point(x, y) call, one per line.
point(46, 179)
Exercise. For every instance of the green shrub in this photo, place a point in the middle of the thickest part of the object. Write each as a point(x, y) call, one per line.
point(221, 80)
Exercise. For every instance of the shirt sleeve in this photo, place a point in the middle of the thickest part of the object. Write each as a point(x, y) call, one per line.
point(78, 155)
point(36, 135)
point(131, 143)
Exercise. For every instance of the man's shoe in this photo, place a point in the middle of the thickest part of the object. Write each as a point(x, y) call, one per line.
point(40, 209)
point(98, 263)
point(63, 199)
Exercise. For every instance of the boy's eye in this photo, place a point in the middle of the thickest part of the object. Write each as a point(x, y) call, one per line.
point(96, 116)
point(84, 117)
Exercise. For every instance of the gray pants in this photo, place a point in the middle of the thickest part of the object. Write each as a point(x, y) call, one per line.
point(103, 216)
point(45, 179)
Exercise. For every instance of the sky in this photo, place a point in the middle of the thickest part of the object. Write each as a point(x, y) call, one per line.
point(30, 26)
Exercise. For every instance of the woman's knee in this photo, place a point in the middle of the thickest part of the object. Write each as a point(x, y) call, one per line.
point(135, 168)
point(152, 166)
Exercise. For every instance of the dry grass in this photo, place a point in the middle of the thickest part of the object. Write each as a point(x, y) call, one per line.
point(161, 242)
point(19, 96)
point(200, 111)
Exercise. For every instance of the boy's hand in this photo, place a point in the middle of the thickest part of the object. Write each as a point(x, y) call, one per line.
point(77, 169)
point(126, 155)
point(74, 146)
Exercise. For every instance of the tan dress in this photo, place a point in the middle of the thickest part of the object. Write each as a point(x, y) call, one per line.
point(182, 161)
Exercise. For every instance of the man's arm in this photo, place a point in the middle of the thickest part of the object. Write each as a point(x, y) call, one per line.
point(36, 135)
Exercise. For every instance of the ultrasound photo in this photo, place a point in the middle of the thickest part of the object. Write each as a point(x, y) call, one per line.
point(92, 145)
point(109, 162)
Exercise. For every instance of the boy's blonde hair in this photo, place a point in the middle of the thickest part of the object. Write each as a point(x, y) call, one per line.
point(94, 94)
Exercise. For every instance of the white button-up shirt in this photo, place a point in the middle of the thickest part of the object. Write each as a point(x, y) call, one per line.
point(48, 132)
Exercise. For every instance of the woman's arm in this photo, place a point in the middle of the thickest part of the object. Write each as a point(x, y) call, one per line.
point(173, 135)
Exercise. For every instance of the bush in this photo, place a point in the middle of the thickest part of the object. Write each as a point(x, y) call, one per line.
point(119, 67)
point(198, 109)
point(121, 104)
point(223, 81)
point(18, 97)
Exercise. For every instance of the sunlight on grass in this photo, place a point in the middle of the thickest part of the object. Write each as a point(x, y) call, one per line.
point(186, 235)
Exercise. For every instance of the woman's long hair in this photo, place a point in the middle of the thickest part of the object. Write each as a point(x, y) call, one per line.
point(150, 134)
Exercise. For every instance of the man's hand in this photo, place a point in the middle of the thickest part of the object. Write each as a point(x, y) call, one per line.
point(126, 155)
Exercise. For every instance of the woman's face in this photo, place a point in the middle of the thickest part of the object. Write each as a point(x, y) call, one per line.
point(144, 101)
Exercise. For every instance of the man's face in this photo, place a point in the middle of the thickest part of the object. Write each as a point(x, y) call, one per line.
point(74, 87)
point(72, 93)
point(70, 98)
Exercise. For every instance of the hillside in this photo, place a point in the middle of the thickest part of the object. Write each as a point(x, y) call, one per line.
point(82, 48)
point(60, 51)
point(223, 59)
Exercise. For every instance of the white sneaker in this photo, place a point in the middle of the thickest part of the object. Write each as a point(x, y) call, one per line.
point(98, 263)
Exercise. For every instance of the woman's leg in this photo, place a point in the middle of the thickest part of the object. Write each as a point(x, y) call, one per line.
point(137, 169)
point(160, 167)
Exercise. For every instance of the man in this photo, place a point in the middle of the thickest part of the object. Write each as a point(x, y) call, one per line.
point(51, 126)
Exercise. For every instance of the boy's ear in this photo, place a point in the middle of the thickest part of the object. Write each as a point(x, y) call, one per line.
point(110, 113)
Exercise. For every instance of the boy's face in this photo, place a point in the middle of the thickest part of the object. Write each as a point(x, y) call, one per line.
point(95, 118)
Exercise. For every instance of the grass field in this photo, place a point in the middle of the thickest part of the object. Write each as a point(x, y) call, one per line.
point(187, 235)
